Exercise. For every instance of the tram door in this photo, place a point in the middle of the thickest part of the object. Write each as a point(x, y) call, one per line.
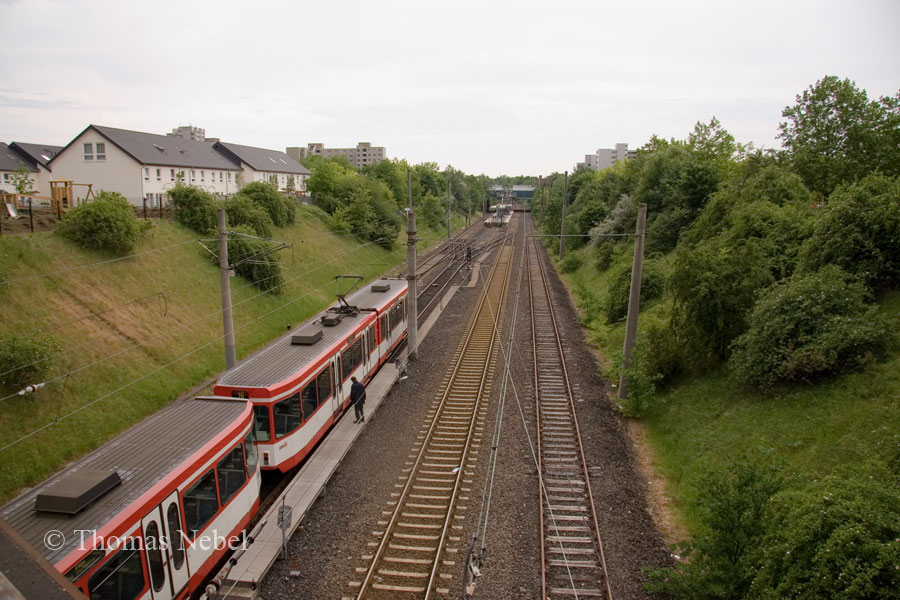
point(164, 549)
point(338, 395)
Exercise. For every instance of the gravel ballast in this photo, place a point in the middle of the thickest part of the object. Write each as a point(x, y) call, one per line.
point(327, 548)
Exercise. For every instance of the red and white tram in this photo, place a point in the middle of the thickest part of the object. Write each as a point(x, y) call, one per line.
point(149, 514)
point(300, 385)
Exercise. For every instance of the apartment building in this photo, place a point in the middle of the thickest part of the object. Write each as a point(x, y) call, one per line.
point(604, 158)
point(363, 155)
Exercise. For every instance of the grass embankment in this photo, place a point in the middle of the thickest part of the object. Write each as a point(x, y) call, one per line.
point(832, 426)
point(134, 334)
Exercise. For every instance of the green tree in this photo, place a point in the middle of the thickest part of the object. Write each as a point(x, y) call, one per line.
point(713, 287)
point(241, 209)
point(21, 180)
point(722, 558)
point(835, 134)
point(859, 231)
point(281, 209)
point(195, 208)
point(106, 223)
point(24, 360)
point(807, 327)
point(834, 540)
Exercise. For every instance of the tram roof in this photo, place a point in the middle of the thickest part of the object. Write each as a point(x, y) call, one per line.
point(281, 360)
point(142, 456)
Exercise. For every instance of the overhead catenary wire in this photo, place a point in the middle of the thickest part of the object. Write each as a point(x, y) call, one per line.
point(184, 325)
point(545, 496)
point(94, 264)
point(136, 380)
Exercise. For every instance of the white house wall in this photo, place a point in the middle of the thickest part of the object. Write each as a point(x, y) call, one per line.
point(159, 179)
point(280, 178)
point(118, 173)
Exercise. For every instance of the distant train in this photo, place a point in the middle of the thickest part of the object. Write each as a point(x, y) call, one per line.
point(151, 513)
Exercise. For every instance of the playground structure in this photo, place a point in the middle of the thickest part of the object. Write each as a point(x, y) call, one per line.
point(66, 194)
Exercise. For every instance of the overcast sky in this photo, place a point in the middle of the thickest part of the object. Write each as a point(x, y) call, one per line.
point(516, 87)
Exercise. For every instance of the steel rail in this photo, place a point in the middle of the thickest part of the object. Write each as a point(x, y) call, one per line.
point(442, 457)
point(581, 572)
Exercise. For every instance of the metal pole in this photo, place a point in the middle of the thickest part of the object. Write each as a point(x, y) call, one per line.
point(409, 188)
point(562, 226)
point(634, 298)
point(448, 206)
point(413, 314)
point(542, 204)
point(30, 216)
point(227, 321)
point(145, 208)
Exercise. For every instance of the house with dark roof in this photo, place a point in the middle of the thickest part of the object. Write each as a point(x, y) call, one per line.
point(260, 164)
point(35, 157)
point(144, 166)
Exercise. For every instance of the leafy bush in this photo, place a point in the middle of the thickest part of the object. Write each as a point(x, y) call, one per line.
point(603, 257)
point(244, 251)
point(859, 231)
point(721, 559)
point(571, 262)
point(836, 539)
point(194, 208)
point(23, 360)
point(806, 327)
point(242, 210)
point(281, 209)
point(640, 381)
point(663, 355)
point(714, 287)
point(105, 223)
point(619, 288)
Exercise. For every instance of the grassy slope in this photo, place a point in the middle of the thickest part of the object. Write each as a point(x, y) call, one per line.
point(167, 299)
point(815, 430)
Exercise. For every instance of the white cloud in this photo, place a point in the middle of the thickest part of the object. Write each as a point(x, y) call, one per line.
point(486, 86)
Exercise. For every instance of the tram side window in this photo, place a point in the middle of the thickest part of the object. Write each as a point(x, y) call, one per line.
point(200, 503)
point(231, 473)
point(250, 452)
point(323, 382)
point(346, 364)
point(288, 415)
point(384, 326)
point(261, 414)
point(357, 352)
point(310, 399)
point(120, 578)
point(173, 520)
point(154, 556)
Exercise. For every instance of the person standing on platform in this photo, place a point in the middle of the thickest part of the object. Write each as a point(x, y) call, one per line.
point(358, 399)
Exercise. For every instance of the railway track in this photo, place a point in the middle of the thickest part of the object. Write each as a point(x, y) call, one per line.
point(572, 560)
point(415, 553)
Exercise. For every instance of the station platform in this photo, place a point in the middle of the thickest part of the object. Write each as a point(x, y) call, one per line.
point(241, 580)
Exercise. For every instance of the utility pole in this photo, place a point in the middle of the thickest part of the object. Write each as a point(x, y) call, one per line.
point(448, 205)
point(413, 324)
point(409, 188)
point(634, 297)
point(224, 273)
point(542, 204)
point(562, 226)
